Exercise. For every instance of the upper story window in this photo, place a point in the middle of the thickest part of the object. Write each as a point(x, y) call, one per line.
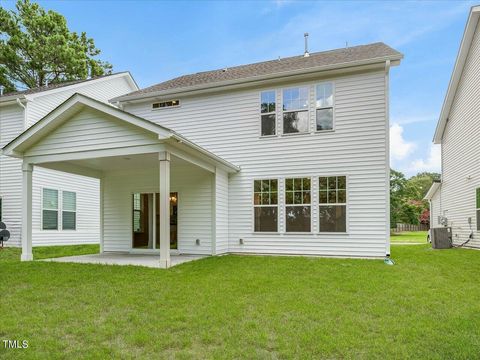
point(166, 104)
point(295, 110)
point(267, 113)
point(324, 106)
point(298, 205)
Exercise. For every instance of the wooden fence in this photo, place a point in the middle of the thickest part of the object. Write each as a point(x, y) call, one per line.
point(410, 227)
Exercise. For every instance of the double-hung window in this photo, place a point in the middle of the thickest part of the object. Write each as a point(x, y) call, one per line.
point(50, 209)
point(332, 198)
point(265, 202)
point(478, 208)
point(69, 210)
point(324, 106)
point(267, 113)
point(295, 110)
point(298, 205)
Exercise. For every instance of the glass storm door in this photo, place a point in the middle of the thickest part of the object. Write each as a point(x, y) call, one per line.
point(144, 214)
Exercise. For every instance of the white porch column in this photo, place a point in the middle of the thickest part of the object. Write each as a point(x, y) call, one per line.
point(27, 212)
point(164, 201)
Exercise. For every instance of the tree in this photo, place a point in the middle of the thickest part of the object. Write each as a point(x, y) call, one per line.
point(37, 47)
point(398, 184)
point(406, 197)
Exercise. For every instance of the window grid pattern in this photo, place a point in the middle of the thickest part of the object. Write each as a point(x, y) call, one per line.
point(266, 192)
point(265, 200)
point(332, 190)
point(268, 113)
point(298, 205)
point(332, 198)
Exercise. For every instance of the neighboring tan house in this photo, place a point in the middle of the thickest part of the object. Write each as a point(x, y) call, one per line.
point(456, 201)
point(65, 206)
point(289, 156)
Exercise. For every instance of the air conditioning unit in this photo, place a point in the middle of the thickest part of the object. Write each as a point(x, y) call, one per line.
point(441, 238)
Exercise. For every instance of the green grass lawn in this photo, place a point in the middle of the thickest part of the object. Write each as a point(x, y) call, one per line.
point(426, 306)
point(409, 237)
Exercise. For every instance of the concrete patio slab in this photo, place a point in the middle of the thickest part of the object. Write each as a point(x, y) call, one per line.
point(152, 261)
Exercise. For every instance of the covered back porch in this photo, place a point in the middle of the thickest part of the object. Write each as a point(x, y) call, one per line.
point(159, 192)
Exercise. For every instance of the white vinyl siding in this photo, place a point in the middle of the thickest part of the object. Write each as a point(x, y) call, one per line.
point(103, 90)
point(460, 152)
point(12, 123)
point(90, 129)
point(87, 205)
point(194, 188)
point(357, 148)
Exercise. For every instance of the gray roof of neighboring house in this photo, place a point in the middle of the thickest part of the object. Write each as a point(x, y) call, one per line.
point(39, 89)
point(325, 58)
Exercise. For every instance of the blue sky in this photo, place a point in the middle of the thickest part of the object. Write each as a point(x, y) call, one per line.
point(160, 40)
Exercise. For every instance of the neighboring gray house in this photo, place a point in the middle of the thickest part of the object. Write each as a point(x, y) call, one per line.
point(72, 216)
point(456, 202)
point(289, 156)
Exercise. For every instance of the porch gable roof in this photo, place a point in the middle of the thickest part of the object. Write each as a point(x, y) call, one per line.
point(77, 102)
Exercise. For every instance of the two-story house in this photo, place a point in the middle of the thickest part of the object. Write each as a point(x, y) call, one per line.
point(65, 206)
point(289, 156)
point(455, 202)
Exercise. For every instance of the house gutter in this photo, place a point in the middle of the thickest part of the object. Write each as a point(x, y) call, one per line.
point(395, 60)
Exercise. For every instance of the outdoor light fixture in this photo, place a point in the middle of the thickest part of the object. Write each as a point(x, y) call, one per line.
point(240, 241)
point(197, 242)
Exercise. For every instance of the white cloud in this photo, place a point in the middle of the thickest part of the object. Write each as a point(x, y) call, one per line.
point(432, 163)
point(399, 147)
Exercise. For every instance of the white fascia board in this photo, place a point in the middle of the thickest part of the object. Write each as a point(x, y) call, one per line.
point(433, 189)
point(83, 83)
point(209, 87)
point(462, 54)
point(12, 100)
point(73, 104)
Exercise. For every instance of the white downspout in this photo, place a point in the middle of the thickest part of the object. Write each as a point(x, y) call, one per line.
point(387, 157)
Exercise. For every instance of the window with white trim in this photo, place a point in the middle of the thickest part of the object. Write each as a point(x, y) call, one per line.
point(50, 209)
point(69, 210)
point(324, 106)
point(267, 113)
point(295, 110)
point(332, 198)
point(265, 203)
point(298, 205)
point(478, 207)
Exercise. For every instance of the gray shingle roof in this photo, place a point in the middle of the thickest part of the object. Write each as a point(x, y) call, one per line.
point(54, 86)
point(325, 58)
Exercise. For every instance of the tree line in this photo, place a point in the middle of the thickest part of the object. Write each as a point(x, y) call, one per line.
point(407, 205)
